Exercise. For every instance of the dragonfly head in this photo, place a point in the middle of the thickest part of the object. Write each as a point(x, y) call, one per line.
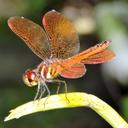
point(30, 78)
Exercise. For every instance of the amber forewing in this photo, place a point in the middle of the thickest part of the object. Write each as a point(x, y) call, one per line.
point(62, 35)
point(33, 35)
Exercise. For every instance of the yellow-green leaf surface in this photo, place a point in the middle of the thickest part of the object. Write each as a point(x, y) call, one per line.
point(75, 99)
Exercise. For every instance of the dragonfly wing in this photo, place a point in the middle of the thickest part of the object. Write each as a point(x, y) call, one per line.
point(62, 35)
point(89, 56)
point(76, 71)
point(33, 35)
point(100, 57)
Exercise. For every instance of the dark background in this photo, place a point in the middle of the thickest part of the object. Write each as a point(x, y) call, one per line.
point(95, 20)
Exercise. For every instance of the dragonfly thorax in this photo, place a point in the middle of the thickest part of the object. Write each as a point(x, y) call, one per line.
point(47, 72)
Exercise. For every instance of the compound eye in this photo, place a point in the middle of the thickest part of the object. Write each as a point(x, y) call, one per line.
point(30, 78)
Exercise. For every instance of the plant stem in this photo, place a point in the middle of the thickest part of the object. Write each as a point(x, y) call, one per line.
point(75, 99)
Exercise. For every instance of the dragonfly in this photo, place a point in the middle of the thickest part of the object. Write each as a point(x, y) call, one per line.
point(57, 44)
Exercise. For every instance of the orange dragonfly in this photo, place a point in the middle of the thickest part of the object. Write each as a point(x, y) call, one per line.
point(58, 46)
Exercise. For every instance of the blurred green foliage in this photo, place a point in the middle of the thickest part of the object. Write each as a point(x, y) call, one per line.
point(124, 104)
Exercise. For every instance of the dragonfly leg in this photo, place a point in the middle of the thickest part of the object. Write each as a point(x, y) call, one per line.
point(58, 87)
point(48, 91)
point(42, 91)
point(38, 91)
point(65, 86)
point(66, 90)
